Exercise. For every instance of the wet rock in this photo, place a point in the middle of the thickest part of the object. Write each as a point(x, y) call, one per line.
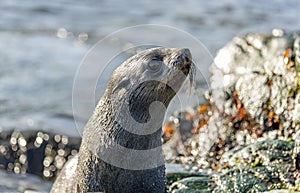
point(254, 96)
point(258, 167)
point(176, 172)
point(266, 164)
point(252, 101)
point(192, 185)
point(296, 151)
point(177, 134)
point(264, 153)
point(259, 98)
point(250, 134)
point(36, 152)
point(22, 183)
point(254, 78)
point(281, 191)
point(240, 180)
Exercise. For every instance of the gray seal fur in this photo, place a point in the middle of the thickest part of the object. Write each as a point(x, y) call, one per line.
point(149, 76)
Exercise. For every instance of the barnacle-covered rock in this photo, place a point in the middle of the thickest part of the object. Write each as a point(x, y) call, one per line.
point(250, 133)
point(264, 153)
point(269, 161)
point(258, 167)
point(260, 73)
point(281, 191)
point(254, 97)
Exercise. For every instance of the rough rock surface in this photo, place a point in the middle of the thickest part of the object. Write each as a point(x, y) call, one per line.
point(248, 132)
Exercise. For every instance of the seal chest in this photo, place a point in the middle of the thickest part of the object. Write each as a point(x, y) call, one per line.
point(121, 145)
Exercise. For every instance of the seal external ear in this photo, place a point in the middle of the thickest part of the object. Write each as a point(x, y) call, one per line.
point(122, 84)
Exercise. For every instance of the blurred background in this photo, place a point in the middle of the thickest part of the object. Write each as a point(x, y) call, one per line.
point(43, 42)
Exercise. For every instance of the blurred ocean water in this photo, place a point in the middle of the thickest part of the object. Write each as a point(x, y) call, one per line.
point(43, 42)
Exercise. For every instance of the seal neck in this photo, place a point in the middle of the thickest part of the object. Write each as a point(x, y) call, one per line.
point(106, 125)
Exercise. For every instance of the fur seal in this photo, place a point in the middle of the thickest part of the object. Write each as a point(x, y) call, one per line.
point(111, 157)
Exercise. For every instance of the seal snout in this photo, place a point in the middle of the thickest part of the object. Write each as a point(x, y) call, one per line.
point(186, 55)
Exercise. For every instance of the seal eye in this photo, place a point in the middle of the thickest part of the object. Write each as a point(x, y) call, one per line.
point(154, 65)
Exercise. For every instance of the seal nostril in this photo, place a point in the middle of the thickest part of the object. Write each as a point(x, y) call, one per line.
point(185, 58)
point(186, 54)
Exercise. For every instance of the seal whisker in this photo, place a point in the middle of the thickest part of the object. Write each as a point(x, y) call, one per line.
point(192, 80)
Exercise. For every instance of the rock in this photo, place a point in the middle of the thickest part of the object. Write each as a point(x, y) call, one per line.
point(22, 183)
point(241, 180)
point(260, 166)
point(264, 153)
point(251, 134)
point(175, 172)
point(255, 83)
point(36, 152)
point(257, 167)
point(281, 191)
point(192, 185)
point(254, 78)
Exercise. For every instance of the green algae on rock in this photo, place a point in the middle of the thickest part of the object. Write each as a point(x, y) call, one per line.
point(240, 180)
point(192, 185)
point(281, 191)
point(266, 153)
point(258, 167)
point(263, 165)
point(176, 172)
